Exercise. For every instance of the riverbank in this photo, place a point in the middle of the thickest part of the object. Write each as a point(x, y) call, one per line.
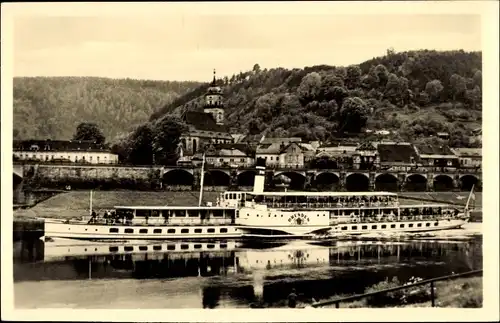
point(76, 203)
point(457, 293)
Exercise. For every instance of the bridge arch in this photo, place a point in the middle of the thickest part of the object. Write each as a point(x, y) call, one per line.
point(246, 178)
point(467, 181)
point(327, 181)
point(178, 177)
point(386, 182)
point(443, 183)
point(357, 182)
point(297, 180)
point(216, 177)
point(416, 183)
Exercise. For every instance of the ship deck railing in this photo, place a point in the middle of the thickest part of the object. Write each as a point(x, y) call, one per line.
point(333, 221)
point(352, 206)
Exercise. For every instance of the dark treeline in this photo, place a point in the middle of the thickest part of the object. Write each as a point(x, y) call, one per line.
point(52, 107)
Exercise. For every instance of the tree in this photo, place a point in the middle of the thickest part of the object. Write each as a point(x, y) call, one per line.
point(458, 86)
point(392, 88)
point(368, 81)
point(474, 98)
point(381, 74)
point(141, 146)
point(167, 132)
point(353, 115)
point(339, 94)
point(353, 74)
point(309, 87)
point(89, 131)
point(433, 89)
point(478, 78)
point(328, 82)
point(327, 109)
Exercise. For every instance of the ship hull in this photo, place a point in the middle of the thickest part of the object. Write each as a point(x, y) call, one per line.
point(130, 232)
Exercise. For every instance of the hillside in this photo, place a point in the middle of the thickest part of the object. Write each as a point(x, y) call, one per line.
point(414, 94)
point(52, 107)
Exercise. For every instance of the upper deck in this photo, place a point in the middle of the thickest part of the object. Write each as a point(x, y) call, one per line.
point(315, 200)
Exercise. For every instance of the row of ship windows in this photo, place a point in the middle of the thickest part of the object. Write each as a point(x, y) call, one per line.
point(269, 215)
point(159, 231)
point(393, 226)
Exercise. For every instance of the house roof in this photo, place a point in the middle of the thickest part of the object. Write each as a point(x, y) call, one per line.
point(434, 150)
point(402, 152)
point(203, 121)
point(340, 143)
point(281, 140)
point(468, 152)
point(366, 146)
point(59, 145)
point(243, 147)
point(277, 148)
point(226, 152)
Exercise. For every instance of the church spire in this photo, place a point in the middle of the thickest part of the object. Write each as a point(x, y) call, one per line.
point(213, 81)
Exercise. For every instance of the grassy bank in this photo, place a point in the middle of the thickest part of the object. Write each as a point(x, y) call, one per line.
point(457, 293)
point(76, 203)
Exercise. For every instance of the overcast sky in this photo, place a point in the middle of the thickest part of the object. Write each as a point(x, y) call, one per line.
point(188, 47)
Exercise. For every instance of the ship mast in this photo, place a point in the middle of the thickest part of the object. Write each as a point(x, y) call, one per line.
point(90, 202)
point(202, 179)
point(471, 195)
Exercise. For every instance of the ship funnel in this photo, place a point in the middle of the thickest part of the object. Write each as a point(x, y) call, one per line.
point(258, 186)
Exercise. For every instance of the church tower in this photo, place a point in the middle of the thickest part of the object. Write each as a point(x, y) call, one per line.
point(214, 102)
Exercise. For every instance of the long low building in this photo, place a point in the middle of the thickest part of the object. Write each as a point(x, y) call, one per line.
point(77, 151)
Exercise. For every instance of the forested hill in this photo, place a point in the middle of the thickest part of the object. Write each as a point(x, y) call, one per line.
point(415, 94)
point(52, 107)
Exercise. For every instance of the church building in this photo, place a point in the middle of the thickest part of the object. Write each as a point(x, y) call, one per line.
point(208, 126)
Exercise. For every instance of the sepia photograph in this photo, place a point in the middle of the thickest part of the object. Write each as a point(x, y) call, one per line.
point(250, 156)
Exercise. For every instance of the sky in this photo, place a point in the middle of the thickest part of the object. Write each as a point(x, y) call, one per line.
point(189, 46)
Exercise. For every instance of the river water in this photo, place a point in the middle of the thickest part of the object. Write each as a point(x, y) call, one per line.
point(93, 275)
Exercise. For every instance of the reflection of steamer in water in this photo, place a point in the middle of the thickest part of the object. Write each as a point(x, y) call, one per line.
point(132, 260)
point(75, 248)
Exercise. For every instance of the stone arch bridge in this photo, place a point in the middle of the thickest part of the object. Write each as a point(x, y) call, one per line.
point(328, 179)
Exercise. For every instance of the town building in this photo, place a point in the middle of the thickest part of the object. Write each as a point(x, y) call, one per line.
point(433, 156)
point(365, 157)
point(469, 157)
point(207, 126)
point(281, 155)
point(397, 156)
point(229, 155)
point(63, 151)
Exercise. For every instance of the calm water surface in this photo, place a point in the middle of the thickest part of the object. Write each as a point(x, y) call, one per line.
point(79, 274)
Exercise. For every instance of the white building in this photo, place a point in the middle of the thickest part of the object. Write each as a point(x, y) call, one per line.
point(61, 151)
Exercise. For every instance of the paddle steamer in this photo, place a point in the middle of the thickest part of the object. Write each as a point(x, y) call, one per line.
point(273, 215)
